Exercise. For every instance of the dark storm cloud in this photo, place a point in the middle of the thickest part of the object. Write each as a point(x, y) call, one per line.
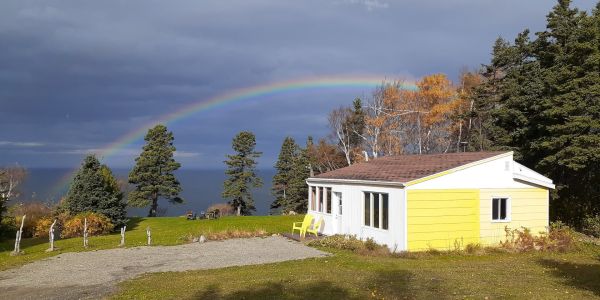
point(76, 75)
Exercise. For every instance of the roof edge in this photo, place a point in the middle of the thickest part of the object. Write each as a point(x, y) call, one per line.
point(533, 181)
point(459, 168)
point(355, 181)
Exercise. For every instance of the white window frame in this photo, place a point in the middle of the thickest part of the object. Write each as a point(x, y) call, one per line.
point(371, 206)
point(508, 210)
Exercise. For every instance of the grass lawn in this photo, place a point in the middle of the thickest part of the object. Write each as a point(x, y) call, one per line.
point(350, 276)
point(165, 231)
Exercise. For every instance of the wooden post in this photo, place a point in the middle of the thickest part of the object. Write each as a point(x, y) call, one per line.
point(51, 236)
point(149, 234)
point(122, 236)
point(85, 233)
point(17, 250)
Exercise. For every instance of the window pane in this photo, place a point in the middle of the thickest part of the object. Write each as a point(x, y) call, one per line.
point(495, 203)
point(320, 199)
point(375, 210)
point(339, 196)
point(328, 200)
point(384, 207)
point(502, 208)
point(367, 209)
point(313, 199)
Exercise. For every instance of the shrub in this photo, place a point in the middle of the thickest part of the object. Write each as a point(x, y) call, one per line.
point(223, 209)
point(591, 225)
point(97, 224)
point(558, 238)
point(367, 247)
point(34, 211)
point(42, 227)
point(473, 248)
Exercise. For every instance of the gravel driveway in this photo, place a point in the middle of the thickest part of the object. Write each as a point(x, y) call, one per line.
point(94, 274)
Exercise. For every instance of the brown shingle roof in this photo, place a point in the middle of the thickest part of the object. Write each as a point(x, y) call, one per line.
point(405, 168)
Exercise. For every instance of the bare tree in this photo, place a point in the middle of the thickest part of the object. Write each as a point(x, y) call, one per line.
point(10, 179)
point(338, 122)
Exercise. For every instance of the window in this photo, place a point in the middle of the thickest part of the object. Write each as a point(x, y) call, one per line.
point(500, 209)
point(367, 209)
point(313, 198)
point(320, 199)
point(339, 197)
point(328, 205)
point(376, 210)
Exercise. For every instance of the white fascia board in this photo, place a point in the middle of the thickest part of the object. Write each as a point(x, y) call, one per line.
point(354, 181)
point(521, 177)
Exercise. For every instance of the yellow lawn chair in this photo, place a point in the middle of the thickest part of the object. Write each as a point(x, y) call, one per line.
point(302, 226)
point(315, 228)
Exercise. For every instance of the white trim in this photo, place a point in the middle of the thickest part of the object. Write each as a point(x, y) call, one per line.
point(533, 181)
point(315, 180)
point(405, 221)
point(508, 210)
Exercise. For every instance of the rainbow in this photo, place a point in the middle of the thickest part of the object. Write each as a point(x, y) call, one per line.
point(322, 82)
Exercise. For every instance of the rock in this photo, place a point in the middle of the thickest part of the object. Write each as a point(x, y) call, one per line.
point(202, 239)
point(195, 240)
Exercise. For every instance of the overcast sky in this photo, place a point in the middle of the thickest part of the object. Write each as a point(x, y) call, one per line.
point(77, 75)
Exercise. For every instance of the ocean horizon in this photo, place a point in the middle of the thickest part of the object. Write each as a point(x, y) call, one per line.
point(200, 189)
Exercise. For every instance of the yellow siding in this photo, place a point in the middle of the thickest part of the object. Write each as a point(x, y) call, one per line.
point(440, 218)
point(529, 208)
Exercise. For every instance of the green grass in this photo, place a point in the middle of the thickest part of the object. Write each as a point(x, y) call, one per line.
point(165, 231)
point(350, 276)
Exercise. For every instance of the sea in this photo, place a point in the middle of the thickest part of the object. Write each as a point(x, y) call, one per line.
point(200, 189)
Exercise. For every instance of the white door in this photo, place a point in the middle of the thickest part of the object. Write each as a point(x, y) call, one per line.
point(337, 205)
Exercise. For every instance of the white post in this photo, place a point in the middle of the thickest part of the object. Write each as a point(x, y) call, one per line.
point(149, 234)
point(122, 236)
point(51, 236)
point(17, 250)
point(85, 233)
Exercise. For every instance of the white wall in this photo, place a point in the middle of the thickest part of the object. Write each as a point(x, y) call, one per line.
point(352, 221)
point(489, 175)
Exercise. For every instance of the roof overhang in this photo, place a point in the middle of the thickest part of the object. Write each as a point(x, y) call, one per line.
point(314, 180)
point(534, 181)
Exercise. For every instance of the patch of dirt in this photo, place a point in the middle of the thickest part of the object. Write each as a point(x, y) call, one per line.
point(87, 275)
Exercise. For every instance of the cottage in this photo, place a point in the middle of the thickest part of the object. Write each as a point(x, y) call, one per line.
point(419, 202)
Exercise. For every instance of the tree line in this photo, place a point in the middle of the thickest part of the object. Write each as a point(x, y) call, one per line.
point(539, 96)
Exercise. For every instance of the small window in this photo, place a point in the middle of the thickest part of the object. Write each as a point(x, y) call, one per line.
point(328, 206)
point(313, 198)
point(338, 195)
point(376, 210)
point(500, 209)
point(320, 199)
point(367, 209)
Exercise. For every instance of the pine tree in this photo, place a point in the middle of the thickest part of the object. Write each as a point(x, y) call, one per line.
point(284, 166)
point(94, 189)
point(241, 171)
point(545, 105)
point(298, 189)
point(114, 206)
point(153, 173)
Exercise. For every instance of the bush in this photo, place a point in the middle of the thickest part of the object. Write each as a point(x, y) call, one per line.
point(367, 247)
point(98, 224)
point(591, 225)
point(42, 227)
point(34, 211)
point(558, 238)
point(223, 209)
point(473, 248)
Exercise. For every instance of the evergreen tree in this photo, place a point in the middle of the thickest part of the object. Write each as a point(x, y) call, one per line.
point(541, 98)
point(284, 166)
point(114, 206)
point(241, 172)
point(153, 173)
point(297, 200)
point(94, 189)
point(356, 122)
